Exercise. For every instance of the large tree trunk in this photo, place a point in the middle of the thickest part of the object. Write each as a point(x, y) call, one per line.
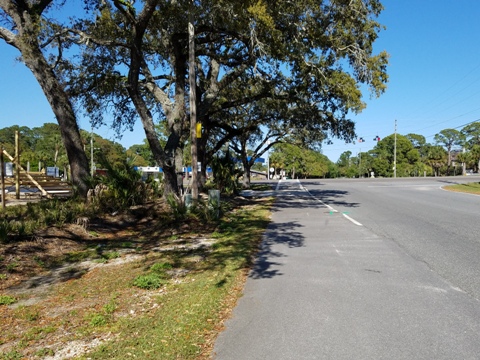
point(165, 158)
point(27, 23)
point(246, 175)
point(62, 108)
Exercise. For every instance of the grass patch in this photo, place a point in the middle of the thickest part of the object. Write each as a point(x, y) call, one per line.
point(149, 281)
point(7, 300)
point(188, 313)
point(471, 188)
point(174, 310)
point(260, 187)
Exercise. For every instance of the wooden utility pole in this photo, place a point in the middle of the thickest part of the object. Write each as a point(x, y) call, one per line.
point(17, 166)
point(193, 102)
point(2, 169)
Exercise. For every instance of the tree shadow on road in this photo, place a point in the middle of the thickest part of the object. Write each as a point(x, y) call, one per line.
point(277, 234)
point(333, 197)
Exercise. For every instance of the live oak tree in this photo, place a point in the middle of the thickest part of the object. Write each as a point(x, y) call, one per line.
point(298, 161)
point(407, 157)
point(310, 55)
point(23, 27)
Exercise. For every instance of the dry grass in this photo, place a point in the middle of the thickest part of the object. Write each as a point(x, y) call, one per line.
point(74, 287)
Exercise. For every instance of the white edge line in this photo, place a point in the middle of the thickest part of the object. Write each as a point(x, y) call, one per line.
point(352, 220)
point(278, 185)
point(331, 208)
point(320, 201)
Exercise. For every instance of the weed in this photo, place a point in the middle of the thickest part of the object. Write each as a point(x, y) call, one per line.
point(177, 207)
point(111, 255)
point(77, 256)
point(12, 266)
point(12, 355)
point(44, 352)
point(3, 276)
point(149, 281)
point(5, 229)
point(39, 261)
point(7, 300)
point(110, 307)
point(36, 333)
point(28, 313)
point(216, 235)
point(260, 187)
point(161, 267)
point(98, 320)
point(32, 316)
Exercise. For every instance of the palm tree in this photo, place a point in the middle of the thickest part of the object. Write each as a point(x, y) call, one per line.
point(449, 138)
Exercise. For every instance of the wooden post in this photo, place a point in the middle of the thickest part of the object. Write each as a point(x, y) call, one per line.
point(44, 192)
point(2, 169)
point(17, 166)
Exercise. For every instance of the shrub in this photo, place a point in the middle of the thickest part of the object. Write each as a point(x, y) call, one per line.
point(161, 267)
point(149, 281)
point(124, 188)
point(178, 208)
point(7, 300)
point(5, 229)
point(225, 175)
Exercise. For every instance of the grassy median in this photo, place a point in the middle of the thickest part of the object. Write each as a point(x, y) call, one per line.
point(471, 188)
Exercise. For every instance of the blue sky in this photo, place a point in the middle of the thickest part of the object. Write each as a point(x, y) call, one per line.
point(434, 48)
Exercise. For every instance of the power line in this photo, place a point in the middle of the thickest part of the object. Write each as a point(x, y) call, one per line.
point(461, 126)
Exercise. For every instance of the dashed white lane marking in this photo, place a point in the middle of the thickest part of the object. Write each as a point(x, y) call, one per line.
point(329, 207)
point(324, 204)
point(352, 220)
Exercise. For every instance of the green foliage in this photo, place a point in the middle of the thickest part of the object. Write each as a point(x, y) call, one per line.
point(109, 255)
point(122, 188)
point(161, 267)
point(178, 208)
point(149, 281)
point(44, 352)
point(155, 278)
point(98, 320)
point(12, 355)
point(7, 300)
point(5, 229)
point(298, 161)
point(225, 175)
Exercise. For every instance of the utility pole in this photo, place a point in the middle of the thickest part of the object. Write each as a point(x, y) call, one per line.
point(360, 164)
point(395, 152)
point(193, 102)
point(2, 170)
point(91, 153)
point(17, 165)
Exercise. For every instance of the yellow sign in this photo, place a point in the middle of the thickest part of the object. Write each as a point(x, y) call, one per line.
point(199, 130)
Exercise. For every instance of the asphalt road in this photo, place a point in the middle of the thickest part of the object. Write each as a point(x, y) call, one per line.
point(363, 269)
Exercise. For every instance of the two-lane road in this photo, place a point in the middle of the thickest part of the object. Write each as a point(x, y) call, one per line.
point(363, 269)
point(438, 227)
